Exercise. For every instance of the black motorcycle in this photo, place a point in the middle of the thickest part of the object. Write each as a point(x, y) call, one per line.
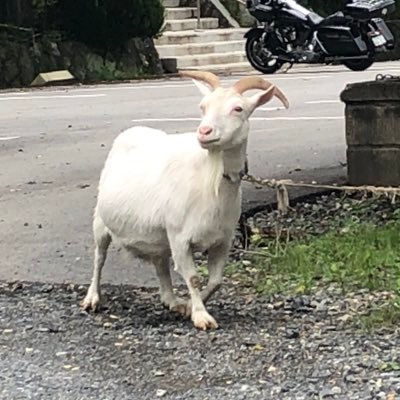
point(293, 34)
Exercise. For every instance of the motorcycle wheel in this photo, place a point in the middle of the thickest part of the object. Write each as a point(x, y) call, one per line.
point(254, 47)
point(359, 65)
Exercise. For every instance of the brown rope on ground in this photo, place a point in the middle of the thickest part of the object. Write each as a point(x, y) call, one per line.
point(283, 197)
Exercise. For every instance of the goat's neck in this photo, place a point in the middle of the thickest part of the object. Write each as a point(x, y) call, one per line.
point(234, 161)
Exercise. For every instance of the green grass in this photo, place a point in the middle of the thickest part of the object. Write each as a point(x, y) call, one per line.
point(386, 314)
point(358, 255)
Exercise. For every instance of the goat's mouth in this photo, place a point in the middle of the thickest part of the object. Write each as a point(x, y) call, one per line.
point(207, 142)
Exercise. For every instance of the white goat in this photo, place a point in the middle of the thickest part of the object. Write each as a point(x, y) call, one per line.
point(170, 195)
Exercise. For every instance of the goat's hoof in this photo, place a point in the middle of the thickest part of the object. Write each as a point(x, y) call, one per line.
point(91, 302)
point(180, 307)
point(203, 320)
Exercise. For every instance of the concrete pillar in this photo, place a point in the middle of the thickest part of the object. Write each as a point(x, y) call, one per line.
point(373, 132)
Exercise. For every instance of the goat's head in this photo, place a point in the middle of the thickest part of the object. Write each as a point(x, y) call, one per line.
point(226, 112)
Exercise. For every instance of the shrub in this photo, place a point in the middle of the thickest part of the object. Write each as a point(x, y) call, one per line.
point(107, 24)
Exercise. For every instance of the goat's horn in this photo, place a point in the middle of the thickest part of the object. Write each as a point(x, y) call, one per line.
point(207, 77)
point(255, 82)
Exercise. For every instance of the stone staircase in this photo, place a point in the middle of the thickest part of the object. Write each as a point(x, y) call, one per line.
point(183, 46)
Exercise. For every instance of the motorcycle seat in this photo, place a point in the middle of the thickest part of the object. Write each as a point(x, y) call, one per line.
point(336, 18)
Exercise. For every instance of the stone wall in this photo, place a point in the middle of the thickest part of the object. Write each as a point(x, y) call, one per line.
point(373, 132)
point(20, 62)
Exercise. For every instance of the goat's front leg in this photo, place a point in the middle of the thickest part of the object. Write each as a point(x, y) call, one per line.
point(184, 263)
point(217, 257)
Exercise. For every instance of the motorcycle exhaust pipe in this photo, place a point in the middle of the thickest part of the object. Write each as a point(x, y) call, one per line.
point(344, 58)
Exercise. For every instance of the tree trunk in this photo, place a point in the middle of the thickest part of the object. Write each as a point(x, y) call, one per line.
point(18, 12)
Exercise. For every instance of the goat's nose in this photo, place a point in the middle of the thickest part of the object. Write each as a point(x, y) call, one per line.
point(205, 130)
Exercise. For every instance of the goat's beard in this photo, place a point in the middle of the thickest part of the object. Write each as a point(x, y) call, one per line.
point(214, 171)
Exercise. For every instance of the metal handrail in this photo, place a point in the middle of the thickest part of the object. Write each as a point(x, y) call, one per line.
point(243, 2)
point(198, 14)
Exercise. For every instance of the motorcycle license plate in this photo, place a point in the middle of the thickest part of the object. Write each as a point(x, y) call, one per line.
point(378, 40)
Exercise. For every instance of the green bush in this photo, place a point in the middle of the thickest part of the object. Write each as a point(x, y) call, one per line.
point(107, 24)
point(396, 14)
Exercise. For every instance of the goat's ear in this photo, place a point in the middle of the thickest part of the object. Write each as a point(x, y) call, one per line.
point(204, 89)
point(259, 99)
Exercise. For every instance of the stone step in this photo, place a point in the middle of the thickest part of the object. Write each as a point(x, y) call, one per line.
point(180, 13)
point(176, 50)
point(171, 3)
point(228, 68)
point(206, 36)
point(211, 58)
point(175, 25)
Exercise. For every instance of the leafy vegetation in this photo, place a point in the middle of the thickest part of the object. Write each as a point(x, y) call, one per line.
point(108, 23)
point(101, 24)
point(359, 255)
point(352, 254)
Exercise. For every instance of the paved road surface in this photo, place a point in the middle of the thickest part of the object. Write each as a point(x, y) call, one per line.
point(53, 143)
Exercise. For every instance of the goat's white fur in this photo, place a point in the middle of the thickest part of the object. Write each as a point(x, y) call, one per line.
point(153, 183)
point(162, 195)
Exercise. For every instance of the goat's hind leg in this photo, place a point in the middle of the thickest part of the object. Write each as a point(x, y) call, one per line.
point(167, 294)
point(217, 257)
point(102, 242)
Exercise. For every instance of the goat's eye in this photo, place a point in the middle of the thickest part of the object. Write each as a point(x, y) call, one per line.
point(238, 109)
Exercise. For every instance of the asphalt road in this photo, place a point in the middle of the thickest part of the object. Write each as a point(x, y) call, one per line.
point(53, 143)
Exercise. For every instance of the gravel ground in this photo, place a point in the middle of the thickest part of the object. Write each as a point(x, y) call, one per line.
point(267, 347)
point(325, 213)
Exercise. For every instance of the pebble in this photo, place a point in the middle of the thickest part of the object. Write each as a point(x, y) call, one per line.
point(47, 288)
point(292, 333)
point(161, 393)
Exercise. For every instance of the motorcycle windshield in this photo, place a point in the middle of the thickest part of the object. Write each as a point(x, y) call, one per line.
point(297, 7)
